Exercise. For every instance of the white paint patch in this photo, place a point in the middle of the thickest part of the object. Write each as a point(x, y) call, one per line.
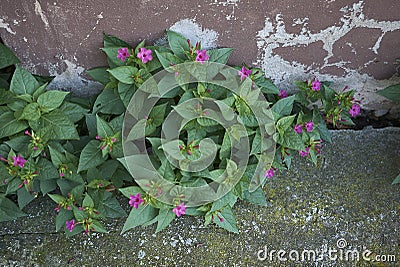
point(193, 31)
point(6, 26)
point(227, 3)
point(71, 80)
point(39, 12)
point(283, 72)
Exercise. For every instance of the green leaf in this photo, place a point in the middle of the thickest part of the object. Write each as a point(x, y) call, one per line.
point(165, 217)
point(126, 92)
point(8, 210)
point(56, 198)
point(227, 200)
point(292, 140)
point(396, 180)
point(266, 86)
point(177, 43)
point(7, 57)
point(55, 126)
point(9, 125)
point(103, 128)
point(51, 100)
point(284, 106)
point(131, 190)
point(23, 82)
point(110, 207)
point(139, 216)
point(112, 53)
point(30, 112)
point(24, 197)
point(257, 197)
point(88, 201)
point(229, 222)
point(112, 41)
point(62, 217)
point(91, 156)
point(285, 123)
point(99, 74)
point(108, 102)
point(98, 227)
point(124, 74)
point(220, 55)
point(157, 114)
point(391, 92)
point(73, 111)
point(39, 91)
point(167, 58)
point(6, 96)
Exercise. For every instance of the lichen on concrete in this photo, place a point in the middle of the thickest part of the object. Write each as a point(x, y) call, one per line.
point(348, 195)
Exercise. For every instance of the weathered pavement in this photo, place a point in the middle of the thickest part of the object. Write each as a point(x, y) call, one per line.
point(347, 197)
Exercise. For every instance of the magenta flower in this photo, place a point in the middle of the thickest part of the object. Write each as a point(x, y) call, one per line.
point(309, 126)
point(135, 200)
point(19, 161)
point(355, 110)
point(123, 54)
point(305, 153)
point(298, 128)
point(180, 209)
point(282, 93)
point(70, 225)
point(145, 55)
point(202, 56)
point(270, 173)
point(316, 85)
point(244, 73)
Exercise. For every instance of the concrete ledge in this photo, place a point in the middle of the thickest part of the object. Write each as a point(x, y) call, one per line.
point(347, 196)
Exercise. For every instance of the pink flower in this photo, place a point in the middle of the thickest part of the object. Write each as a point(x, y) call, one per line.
point(305, 153)
point(309, 126)
point(270, 173)
point(282, 93)
point(123, 54)
point(244, 73)
point(180, 209)
point(355, 110)
point(145, 55)
point(202, 56)
point(298, 128)
point(70, 225)
point(316, 85)
point(19, 161)
point(135, 200)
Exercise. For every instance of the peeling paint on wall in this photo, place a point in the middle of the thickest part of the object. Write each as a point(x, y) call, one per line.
point(227, 4)
point(39, 12)
point(194, 32)
point(71, 79)
point(274, 35)
point(6, 26)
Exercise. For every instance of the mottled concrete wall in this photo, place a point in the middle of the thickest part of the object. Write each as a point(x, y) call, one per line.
point(350, 42)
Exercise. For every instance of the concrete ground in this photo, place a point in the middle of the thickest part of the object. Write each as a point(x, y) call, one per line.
point(343, 209)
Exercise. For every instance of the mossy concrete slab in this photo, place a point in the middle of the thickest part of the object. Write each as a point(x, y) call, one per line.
point(348, 197)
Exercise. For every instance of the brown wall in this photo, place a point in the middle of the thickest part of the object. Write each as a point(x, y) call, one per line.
point(350, 42)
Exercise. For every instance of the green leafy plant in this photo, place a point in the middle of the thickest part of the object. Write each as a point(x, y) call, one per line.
point(71, 148)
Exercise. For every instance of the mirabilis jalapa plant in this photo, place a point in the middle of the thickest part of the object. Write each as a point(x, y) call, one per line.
point(71, 148)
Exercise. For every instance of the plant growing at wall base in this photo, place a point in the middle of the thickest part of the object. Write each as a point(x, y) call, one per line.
point(71, 149)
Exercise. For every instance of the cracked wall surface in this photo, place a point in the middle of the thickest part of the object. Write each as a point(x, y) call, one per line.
point(349, 42)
